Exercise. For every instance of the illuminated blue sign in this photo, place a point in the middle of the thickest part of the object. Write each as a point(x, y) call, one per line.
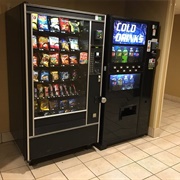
point(129, 33)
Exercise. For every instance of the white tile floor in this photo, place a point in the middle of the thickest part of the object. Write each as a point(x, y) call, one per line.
point(143, 158)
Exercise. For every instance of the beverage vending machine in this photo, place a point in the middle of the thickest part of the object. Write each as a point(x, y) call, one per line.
point(131, 55)
point(55, 60)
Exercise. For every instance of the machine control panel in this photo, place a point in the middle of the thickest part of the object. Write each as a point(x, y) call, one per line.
point(126, 68)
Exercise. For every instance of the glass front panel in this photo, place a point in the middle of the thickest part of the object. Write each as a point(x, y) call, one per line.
point(60, 64)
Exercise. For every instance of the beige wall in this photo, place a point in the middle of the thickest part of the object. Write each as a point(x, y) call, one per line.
point(150, 10)
point(173, 73)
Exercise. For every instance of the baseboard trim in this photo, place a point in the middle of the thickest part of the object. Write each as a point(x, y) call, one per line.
point(172, 98)
point(6, 137)
point(154, 132)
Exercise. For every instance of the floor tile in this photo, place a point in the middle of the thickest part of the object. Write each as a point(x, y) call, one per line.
point(170, 128)
point(105, 152)
point(135, 153)
point(43, 169)
point(118, 159)
point(95, 178)
point(22, 173)
point(175, 151)
point(149, 148)
point(162, 143)
point(54, 176)
point(165, 114)
point(152, 165)
point(176, 124)
point(87, 155)
point(163, 133)
point(172, 138)
point(12, 162)
point(138, 141)
point(149, 138)
point(99, 166)
point(167, 158)
point(123, 146)
point(177, 167)
point(152, 178)
point(113, 175)
point(135, 171)
point(0, 177)
point(67, 161)
point(175, 117)
point(177, 134)
point(167, 120)
point(79, 172)
point(169, 174)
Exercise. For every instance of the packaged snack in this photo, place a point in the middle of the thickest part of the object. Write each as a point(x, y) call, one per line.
point(46, 91)
point(35, 93)
point(35, 76)
point(42, 23)
point(64, 45)
point(71, 93)
point(61, 90)
point(63, 104)
point(65, 89)
point(61, 111)
point(73, 59)
point(44, 105)
point(74, 89)
point(72, 103)
point(53, 104)
point(64, 75)
point(35, 60)
point(74, 26)
point(56, 89)
point(64, 24)
point(45, 60)
point(74, 75)
point(55, 75)
point(74, 43)
point(83, 58)
point(34, 42)
point(65, 59)
point(54, 43)
point(34, 19)
point(43, 43)
point(51, 90)
point(54, 59)
point(54, 24)
point(44, 75)
point(35, 105)
point(40, 90)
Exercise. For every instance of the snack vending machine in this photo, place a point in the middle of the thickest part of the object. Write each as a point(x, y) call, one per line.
point(55, 60)
point(131, 55)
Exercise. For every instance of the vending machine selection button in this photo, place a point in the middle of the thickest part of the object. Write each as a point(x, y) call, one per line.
point(130, 70)
point(114, 67)
point(117, 71)
point(127, 67)
point(133, 67)
point(124, 70)
point(135, 70)
point(121, 67)
point(139, 66)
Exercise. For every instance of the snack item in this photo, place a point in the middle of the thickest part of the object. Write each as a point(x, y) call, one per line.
point(64, 24)
point(73, 59)
point(55, 75)
point(35, 60)
point(43, 43)
point(65, 59)
point(54, 24)
point(34, 42)
point(83, 58)
point(44, 75)
point(74, 89)
point(54, 59)
point(53, 104)
point(63, 104)
point(72, 103)
point(34, 19)
point(61, 90)
point(35, 92)
point(74, 75)
point(56, 89)
point(40, 90)
point(64, 75)
point(74, 43)
point(44, 105)
point(64, 45)
point(35, 76)
point(54, 43)
point(46, 91)
point(65, 89)
point(45, 60)
point(51, 90)
point(74, 26)
point(42, 23)
point(36, 106)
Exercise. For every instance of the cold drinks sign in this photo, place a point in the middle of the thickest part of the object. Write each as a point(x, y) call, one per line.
point(129, 33)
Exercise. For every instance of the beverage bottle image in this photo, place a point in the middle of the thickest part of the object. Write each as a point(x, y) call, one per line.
point(136, 55)
point(118, 55)
point(113, 54)
point(124, 55)
point(131, 55)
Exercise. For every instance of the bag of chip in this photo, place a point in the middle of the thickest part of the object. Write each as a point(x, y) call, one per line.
point(45, 60)
point(35, 60)
point(74, 26)
point(40, 90)
point(35, 76)
point(44, 105)
point(53, 104)
point(34, 42)
point(64, 24)
point(34, 19)
point(44, 75)
point(83, 58)
point(43, 43)
point(54, 24)
point(54, 43)
point(73, 59)
point(54, 59)
point(64, 45)
point(55, 75)
point(74, 43)
point(65, 59)
point(42, 23)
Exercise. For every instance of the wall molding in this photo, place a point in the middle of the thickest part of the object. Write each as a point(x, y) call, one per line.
point(172, 98)
point(154, 132)
point(6, 137)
